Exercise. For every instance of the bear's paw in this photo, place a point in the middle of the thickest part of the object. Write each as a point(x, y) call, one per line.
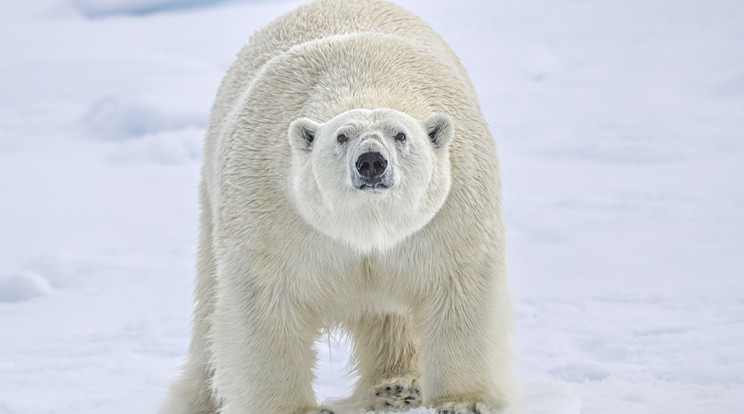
point(394, 394)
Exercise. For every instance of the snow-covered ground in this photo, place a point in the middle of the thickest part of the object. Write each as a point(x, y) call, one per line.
point(621, 133)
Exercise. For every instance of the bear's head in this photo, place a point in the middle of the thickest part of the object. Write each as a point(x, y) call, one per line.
point(370, 178)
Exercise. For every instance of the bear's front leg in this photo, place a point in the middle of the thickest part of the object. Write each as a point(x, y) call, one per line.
point(464, 351)
point(263, 353)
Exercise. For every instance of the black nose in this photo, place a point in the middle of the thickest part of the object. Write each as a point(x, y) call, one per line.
point(371, 165)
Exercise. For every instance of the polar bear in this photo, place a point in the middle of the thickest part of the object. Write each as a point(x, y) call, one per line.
point(349, 181)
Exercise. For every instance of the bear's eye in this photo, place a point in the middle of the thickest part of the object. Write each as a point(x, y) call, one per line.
point(401, 137)
point(342, 138)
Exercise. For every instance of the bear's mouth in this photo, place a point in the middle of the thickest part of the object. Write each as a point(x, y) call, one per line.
point(376, 187)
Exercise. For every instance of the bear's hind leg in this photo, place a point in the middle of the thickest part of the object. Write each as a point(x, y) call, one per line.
point(386, 361)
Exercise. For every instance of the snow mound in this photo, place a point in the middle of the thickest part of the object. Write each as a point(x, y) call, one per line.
point(58, 272)
point(112, 118)
point(162, 148)
point(22, 286)
point(104, 8)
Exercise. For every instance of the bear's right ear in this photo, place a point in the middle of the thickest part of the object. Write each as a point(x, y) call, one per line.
point(302, 133)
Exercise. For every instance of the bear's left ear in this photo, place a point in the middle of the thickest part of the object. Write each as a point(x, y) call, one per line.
point(440, 129)
point(302, 133)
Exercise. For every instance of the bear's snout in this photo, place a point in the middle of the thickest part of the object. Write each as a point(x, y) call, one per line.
point(371, 166)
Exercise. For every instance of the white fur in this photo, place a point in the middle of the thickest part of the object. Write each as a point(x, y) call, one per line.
point(289, 245)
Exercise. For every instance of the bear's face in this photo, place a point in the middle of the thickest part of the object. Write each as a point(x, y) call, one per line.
point(370, 178)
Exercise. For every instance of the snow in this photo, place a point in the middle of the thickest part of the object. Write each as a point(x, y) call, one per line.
point(105, 8)
point(619, 126)
point(20, 286)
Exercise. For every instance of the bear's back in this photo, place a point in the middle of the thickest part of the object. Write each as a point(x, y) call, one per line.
point(322, 19)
